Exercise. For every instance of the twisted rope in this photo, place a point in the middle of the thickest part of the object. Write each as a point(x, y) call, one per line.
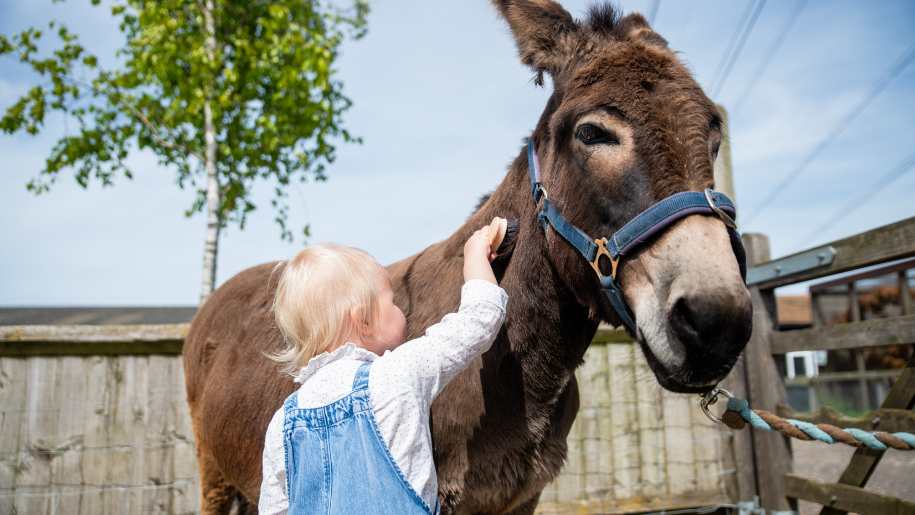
point(738, 414)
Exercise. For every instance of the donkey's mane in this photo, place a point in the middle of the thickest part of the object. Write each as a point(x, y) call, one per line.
point(603, 18)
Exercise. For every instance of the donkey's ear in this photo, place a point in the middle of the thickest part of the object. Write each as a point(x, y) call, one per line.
point(635, 27)
point(543, 31)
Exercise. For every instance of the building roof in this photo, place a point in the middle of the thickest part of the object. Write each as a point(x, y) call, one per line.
point(793, 310)
point(96, 315)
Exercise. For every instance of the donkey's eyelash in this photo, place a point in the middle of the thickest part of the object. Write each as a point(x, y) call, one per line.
point(591, 134)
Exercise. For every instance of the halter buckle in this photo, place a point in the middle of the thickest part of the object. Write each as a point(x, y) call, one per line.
point(602, 251)
point(540, 192)
point(726, 218)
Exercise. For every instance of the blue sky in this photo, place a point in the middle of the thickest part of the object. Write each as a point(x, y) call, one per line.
point(442, 104)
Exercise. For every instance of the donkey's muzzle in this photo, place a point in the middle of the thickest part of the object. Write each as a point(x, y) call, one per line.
point(713, 327)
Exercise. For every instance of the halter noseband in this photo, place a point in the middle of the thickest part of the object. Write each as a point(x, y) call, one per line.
point(636, 232)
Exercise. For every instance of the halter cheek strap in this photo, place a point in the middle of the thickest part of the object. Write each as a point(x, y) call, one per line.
point(636, 232)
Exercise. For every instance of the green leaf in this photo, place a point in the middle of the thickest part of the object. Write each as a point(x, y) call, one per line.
point(278, 106)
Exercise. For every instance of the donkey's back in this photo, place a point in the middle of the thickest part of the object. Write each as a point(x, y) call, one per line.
point(232, 389)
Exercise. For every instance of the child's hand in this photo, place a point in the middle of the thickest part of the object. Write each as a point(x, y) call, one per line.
point(481, 248)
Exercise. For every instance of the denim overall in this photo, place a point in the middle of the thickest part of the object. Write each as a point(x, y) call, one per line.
point(337, 463)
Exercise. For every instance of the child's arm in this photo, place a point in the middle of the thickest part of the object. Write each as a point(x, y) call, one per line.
point(429, 362)
point(273, 497)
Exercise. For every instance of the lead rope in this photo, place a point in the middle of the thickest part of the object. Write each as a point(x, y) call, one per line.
point(738, 414)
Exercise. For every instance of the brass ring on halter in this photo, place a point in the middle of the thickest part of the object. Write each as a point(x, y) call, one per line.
point(602, 251)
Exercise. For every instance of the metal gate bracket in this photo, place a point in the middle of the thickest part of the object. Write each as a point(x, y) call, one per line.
point(791, 265)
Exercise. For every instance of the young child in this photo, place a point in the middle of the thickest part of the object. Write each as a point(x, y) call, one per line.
point(354, 438)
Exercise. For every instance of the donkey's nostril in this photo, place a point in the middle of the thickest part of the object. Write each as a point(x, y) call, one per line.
point(711, 326)
point(683, 320)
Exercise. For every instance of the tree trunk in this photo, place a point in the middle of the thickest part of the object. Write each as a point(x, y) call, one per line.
point(211, 244)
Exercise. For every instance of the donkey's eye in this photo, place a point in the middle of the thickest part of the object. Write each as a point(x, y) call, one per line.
point(591, 134)
point(714, 146)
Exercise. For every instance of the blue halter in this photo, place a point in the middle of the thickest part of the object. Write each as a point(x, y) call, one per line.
point(634, 233)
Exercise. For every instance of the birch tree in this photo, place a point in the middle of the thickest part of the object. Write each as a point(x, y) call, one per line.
point(225, 92)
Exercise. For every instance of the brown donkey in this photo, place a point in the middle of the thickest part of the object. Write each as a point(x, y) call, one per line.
point(626, 126)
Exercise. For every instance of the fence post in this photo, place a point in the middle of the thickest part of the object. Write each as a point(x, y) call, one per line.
point(723, 169)
point(766, 389)
point(905, 300)
point(741, 485)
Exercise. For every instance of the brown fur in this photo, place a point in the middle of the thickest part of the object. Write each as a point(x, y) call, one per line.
point(499, 428)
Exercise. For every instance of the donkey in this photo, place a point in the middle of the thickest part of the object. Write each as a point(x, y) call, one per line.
point(625, 127)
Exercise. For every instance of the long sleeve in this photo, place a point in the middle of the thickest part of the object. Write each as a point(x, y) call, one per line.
point(427, 364)
point(273, 498)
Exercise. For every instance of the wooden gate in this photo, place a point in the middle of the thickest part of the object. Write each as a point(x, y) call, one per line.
point(764, 460)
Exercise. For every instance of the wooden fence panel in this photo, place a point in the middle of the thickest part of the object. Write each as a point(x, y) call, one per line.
point(626, 466)
point(846, 498)
point(771, 459)
point(95, 434)
point(893, 241)
point(92, 340)
point(635, 447)
point(110, 433)
point(864, 461)
point(851, 335)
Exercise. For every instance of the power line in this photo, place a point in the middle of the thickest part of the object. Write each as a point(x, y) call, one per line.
point(835, 132)
point(653, 12)
point(770, 53)
point(858, 200)
point(730, 48)
point(739, 48)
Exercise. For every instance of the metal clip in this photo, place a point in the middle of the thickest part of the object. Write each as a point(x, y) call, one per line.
point(539, 187)
point(726, 218)
point(709, 398)
point(602, 251)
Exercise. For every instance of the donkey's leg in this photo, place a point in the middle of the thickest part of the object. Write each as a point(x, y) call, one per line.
point(243, 506)
point(216, 495)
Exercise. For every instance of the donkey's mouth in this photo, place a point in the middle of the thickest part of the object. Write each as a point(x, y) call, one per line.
point(683, 380)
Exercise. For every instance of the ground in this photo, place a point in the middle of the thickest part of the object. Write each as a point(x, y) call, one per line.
point(826, 463)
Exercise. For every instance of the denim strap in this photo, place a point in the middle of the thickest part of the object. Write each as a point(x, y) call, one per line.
point(291, 403)
point(361, 379)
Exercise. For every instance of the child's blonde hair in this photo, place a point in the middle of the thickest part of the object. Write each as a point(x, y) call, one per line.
point(324, 295)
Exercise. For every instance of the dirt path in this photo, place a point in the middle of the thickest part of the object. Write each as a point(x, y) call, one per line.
point(895, 475)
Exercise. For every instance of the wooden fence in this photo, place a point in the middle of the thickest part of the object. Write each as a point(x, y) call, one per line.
point(764, 459)
point(94, 420)
point(634, 446)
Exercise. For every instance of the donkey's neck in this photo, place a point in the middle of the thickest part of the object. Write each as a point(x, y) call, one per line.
point(521, 392)
point(553, 326)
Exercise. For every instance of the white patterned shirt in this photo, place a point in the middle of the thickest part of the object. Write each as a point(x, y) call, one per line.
point(402, 385)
